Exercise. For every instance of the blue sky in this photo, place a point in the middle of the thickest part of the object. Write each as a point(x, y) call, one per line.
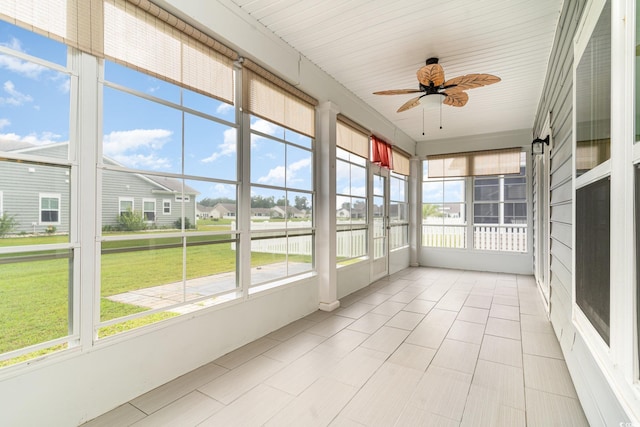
point(140, 133)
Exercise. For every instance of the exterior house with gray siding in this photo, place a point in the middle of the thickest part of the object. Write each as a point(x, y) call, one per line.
point(37, 196)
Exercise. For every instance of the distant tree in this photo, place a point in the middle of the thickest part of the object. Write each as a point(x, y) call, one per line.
point(301, 203)
point(282, 201)
point(429, 210)
point(262, 202)
point(208, 201)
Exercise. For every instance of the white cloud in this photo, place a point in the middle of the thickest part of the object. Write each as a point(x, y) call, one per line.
point(24, 68)
point(222, 190)
point(65, 86)
point(15, 98)
point(227, 148)
point(4, 123)
point(224, 108)
point(276, 175)
point(127, 147)
point(43, 138)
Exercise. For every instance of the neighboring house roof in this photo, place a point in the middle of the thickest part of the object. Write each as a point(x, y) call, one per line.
point(262, 211)
point(170, 185)
point(203, 208)
point(225, 207)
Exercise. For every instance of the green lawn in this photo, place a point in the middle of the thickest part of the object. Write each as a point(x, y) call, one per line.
point(34, 294)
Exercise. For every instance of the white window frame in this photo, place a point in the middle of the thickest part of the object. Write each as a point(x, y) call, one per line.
point(125, 199)
point(49, 196)
point(164, 206)
point(405, 223)
point(144, 211)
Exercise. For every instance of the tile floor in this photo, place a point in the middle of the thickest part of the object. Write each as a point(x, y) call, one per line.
point(424, 347)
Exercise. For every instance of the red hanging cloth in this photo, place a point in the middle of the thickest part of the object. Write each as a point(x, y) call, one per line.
point(381, 153)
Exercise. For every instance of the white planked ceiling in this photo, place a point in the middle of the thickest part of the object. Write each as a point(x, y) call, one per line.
point(372, 45)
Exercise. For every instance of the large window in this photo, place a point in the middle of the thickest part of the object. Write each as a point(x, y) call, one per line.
point(352, 203)
point(37, 257)
point(443, 211)
point(593, 188)
point(398, 211)
point(500, 212)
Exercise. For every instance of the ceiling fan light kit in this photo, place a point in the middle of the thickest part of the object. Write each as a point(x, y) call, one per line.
point(432, 82)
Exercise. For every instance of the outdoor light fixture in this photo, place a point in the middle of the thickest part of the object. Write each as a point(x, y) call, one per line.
point(537, 145)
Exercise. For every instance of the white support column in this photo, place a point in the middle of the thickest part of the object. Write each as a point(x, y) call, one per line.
point(243, 220)
point(415, 212)
point(325, 206)
point(86, 183)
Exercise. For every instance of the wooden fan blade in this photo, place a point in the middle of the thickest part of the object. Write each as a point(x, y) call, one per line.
point(413, 102)
point(431, 74)
point(471, 81)
point(456, 98)
point(397, 92)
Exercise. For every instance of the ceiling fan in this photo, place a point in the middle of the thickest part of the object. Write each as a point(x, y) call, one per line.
point(432, 82)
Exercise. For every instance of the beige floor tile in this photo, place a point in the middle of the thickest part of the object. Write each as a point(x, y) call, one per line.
point(123, 415)
point(466, 332)
point(442, 392)
point(457, 355)
point(420, 306)
point(394, 287)
point(504, 312)
point(341, 421)
point(293, 348)
point(413, 356)
point(433, 328)
point(545, 409)
point(452, 300)
point(501, 350)
point(506, 289)
point(505, 383)
point(434, 293)
point(330, 326)
point(316, 406)
point(533, 323)
point(479, 301)
point(472, 314)
point(484, 410)
point(541, 344)
point(506, 300)
point(341, 343)
point(386, 339)
point(234, 383)
point(381, 400)
point(369, 323)
point(414, 416)
point(389, 308)
point(375, 298)
point(291, 330)
point(548, 375)
point(252, 409)
point(299, 375)
point(405, 296)
point(245, 353)
point(355, 310)
point(181, 386)
point(318, 316)
point(357, 367)
point(405, 320)
point(503, 328)
point(189, 410)
point(532, 307)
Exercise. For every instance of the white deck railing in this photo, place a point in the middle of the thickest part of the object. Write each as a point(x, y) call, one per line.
point(511, 238)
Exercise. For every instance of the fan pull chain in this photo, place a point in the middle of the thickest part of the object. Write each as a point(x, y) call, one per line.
point(440, 115)
point(423, 114)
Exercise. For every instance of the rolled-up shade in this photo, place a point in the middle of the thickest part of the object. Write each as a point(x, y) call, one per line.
point(475, 163)
point(145, 37)
point(76, 23)
point(351, 138)
point(401, 163)
point(267, 96)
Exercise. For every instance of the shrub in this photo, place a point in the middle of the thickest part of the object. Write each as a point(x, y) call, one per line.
point(131, 221)
point(8, 223)
point(187, 223)
point(50, 229)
